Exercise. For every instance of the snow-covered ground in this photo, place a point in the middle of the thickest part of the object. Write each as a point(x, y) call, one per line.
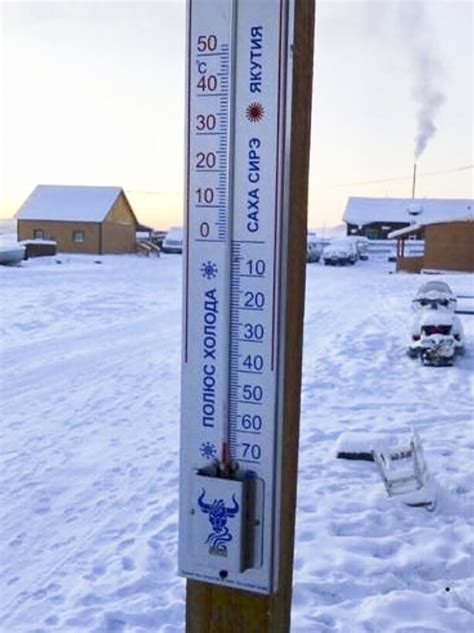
point(90, 371)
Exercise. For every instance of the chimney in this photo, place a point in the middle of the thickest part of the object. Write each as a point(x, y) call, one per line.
point(414, 181)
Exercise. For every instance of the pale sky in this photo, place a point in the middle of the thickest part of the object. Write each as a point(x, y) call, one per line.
point(93, 94)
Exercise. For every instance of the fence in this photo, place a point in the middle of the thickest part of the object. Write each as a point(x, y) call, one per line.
point(388, 248)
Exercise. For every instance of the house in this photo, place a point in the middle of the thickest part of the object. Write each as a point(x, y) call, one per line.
point(80, 219)
point(376, 218)
point(449, 245)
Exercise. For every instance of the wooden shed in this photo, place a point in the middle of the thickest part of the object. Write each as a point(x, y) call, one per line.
point(80, 219)
point(448, 246)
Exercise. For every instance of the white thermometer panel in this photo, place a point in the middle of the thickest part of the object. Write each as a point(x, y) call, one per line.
point(238, 61)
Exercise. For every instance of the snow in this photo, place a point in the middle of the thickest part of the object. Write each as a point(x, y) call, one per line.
point(8, 234)
point(413, 228)
point(360, 443)
point(68, 203)
point(89, 453)
point(468, 217)
point(175, 234)
point(39, 241)
point(361, 211)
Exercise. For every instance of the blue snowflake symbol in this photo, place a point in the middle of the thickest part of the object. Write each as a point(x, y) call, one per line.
point(208, 270)
point(208, 450)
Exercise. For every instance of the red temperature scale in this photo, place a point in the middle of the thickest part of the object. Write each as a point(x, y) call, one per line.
point(238, 118)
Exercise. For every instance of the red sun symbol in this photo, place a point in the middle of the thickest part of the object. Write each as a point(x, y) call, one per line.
point(254, 112)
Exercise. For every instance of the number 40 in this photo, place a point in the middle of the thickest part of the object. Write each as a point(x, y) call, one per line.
point(253, 362)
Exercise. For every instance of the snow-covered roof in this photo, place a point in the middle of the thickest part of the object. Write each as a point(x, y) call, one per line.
point(405, 231)
point(69, 203)
point(413, 228)
point(361, 211)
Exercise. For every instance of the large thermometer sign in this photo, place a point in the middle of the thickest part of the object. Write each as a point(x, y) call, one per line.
point(237, 130)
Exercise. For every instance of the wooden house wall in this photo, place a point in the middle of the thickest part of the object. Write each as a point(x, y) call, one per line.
point(62, 233)
point(450, 246)
point(121, 212)
point(119, 228)
point(409, 264)
point(118, 238)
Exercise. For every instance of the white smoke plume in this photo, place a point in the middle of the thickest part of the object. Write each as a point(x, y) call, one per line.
point(426, 68)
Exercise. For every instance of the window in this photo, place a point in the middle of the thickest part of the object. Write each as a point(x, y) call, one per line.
point(78, 237)
point(38, 234)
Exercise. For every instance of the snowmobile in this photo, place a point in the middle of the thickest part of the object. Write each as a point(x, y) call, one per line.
point(434, 292)
point(437, 335)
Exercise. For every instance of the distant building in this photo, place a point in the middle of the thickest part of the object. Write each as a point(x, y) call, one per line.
point(377, 217)
point(80, 219)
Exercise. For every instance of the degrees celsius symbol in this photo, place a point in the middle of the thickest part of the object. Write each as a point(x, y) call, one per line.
point(237, 109)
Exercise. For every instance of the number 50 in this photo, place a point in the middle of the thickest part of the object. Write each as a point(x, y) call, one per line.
point(206, 43)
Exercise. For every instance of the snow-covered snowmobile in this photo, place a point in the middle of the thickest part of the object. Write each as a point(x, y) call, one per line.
point(436, 333)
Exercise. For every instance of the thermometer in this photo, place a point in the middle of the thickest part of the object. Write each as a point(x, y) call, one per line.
point(238, 113)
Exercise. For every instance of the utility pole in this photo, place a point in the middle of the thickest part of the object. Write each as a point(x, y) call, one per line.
point(248, 141)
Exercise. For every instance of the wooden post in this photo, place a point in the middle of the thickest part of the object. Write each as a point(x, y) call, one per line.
point(214, 609)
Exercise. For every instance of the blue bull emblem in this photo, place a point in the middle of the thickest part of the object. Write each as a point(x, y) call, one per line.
point(218, 515)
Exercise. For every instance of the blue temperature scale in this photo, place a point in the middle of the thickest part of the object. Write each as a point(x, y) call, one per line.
point(237, 130)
